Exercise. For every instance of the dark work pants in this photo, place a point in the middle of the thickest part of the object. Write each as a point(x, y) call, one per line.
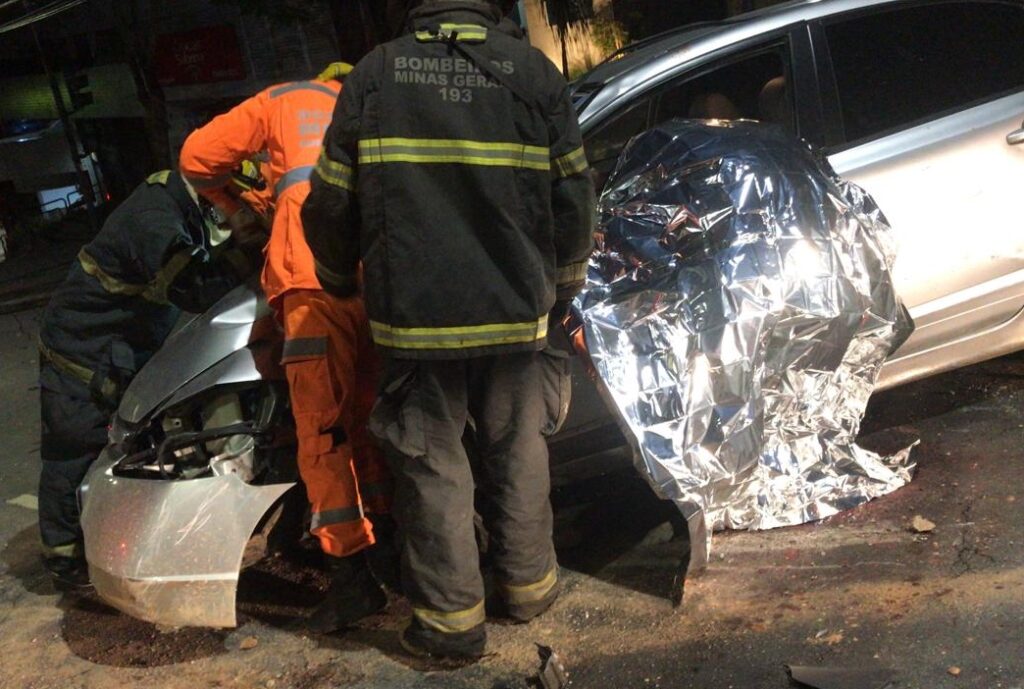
point(421, 416)
point(74, 431)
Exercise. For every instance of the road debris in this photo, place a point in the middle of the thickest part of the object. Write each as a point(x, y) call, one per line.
point(954, 670)
point(26, 500)
point(824, 637)
point(248, 643)
point(921, 525)
point(552, 674)
point(841, 677)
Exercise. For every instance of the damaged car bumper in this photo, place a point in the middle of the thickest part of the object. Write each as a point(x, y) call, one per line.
point(170, 552)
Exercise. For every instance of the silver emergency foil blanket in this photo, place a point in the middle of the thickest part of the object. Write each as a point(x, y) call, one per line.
point(738, 311)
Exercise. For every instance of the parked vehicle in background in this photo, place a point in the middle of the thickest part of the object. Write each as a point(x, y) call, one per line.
point(919, 102)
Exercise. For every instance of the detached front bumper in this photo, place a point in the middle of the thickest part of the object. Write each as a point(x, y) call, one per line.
point(169, 551)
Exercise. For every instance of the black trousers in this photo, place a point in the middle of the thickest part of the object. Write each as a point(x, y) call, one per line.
point(424, 409)
point(74, 431)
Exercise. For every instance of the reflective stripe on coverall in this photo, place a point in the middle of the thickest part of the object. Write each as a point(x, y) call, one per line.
point(327, 338)
point(324, 357)
point(288, 121)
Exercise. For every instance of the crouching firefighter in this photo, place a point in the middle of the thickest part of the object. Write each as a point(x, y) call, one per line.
point(152, 258)
point(471, 209)
point(329, 359)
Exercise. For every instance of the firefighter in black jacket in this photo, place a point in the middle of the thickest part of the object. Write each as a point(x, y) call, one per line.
point(119, 302)
point(453, 168)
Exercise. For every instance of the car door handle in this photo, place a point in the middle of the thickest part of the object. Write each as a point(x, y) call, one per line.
point(1016, 136)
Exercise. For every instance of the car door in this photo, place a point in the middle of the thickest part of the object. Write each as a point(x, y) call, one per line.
point(922, 98)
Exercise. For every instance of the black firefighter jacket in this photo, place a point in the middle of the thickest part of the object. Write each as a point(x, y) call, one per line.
point(467, 199)
point(122, 297)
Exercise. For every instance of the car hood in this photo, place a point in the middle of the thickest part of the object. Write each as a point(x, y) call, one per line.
point(207, 339)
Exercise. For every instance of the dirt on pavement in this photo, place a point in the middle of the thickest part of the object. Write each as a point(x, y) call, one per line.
point(860, 590)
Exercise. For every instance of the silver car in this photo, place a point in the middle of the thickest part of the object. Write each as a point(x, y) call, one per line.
point(919, 102)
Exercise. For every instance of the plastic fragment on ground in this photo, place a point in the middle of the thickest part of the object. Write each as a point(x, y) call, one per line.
point(824, 677)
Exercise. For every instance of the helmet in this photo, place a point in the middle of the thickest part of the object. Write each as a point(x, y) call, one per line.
point(248, 177)
point(336, 71)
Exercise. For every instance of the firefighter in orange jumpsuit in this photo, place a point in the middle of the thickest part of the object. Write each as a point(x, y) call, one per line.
point(328, 354)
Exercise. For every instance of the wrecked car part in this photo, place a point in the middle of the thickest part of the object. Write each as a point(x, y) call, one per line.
point(232, 454)
point(552, 673)
point(169, 552)
point(238, 320)
point(738, 310)
point(167, 522)
point(190, 472)
point(182, 441)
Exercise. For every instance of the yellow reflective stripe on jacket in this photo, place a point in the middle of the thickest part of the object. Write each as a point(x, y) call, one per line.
point(460, 337)
point(159, 178)
point(574, 272)
point(463, 32)
point(570, 164)
point(531, 593)
point(154, 291)
point(334, 173)
point(492, 153)
point(451, 622)
point(158, 288)
point(108, 389)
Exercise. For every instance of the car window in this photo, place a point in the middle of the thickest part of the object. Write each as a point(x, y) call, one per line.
point(605, 144)
point(898, 67)
point(754, 87)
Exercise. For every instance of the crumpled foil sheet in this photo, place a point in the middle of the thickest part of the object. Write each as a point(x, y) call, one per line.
point(738, 311)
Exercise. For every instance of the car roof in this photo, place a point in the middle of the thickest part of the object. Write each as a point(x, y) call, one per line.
point(656, 58)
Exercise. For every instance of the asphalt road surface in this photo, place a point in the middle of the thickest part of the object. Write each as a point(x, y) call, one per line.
point(861, 590)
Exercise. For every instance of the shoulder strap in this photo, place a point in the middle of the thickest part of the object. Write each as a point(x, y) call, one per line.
point(449, 34)
point(485, 66)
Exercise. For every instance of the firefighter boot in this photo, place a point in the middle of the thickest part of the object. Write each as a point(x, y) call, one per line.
point(422, 642)
point(69, 573)
point(353, 595)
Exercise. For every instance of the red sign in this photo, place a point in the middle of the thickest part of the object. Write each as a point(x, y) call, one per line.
point(200, 56)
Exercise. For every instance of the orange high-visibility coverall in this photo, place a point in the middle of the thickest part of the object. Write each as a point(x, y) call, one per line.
point(328, 355)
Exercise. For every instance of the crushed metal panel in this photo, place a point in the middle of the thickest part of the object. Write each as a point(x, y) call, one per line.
point(229, 326)
point(169, 552)
point(738, 311)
